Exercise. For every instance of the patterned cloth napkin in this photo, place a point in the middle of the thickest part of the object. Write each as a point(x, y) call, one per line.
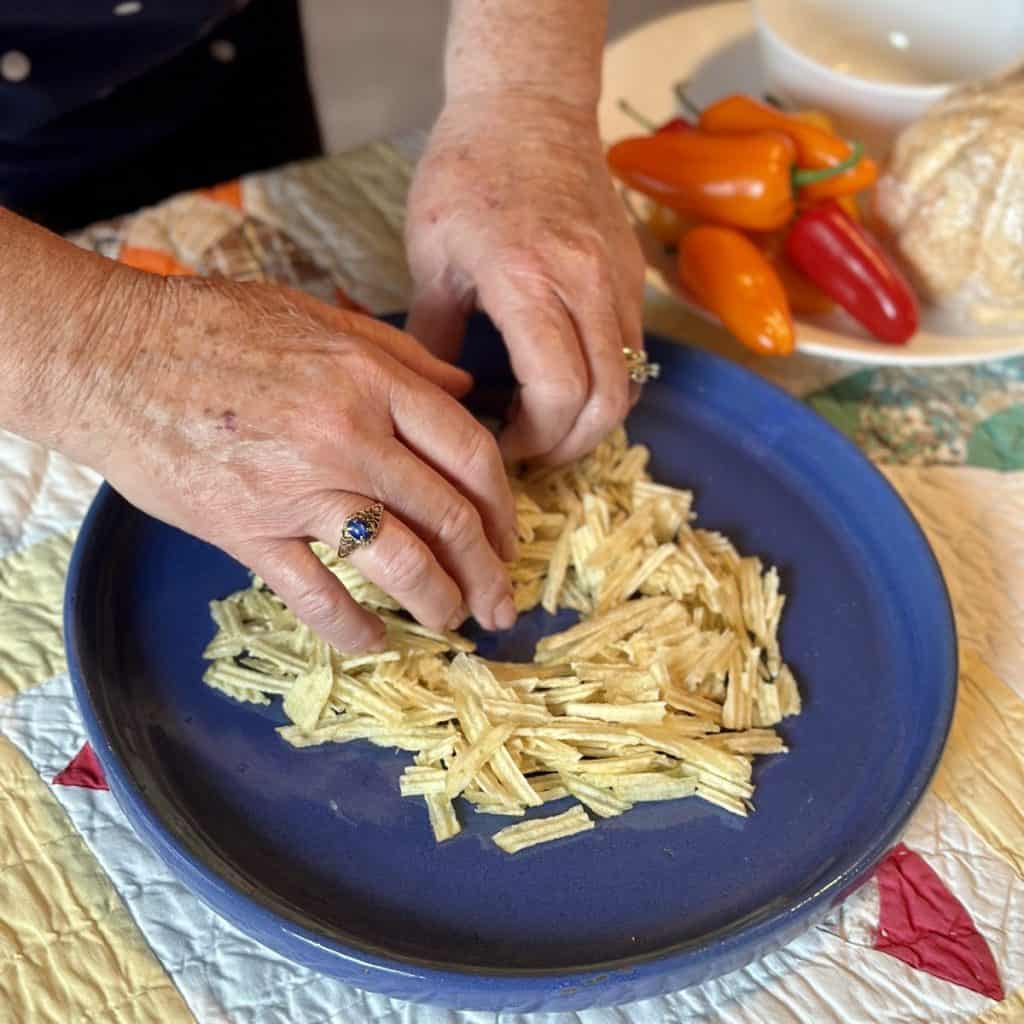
point(94, 928)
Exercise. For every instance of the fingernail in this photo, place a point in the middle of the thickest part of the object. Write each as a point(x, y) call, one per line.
point(505, 614)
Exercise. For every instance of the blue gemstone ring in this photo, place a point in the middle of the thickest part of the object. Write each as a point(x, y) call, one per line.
point(360, 529)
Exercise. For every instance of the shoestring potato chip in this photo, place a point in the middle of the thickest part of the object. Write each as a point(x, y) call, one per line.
point(668, 687)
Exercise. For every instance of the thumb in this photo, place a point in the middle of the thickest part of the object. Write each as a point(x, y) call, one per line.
point(437, 317)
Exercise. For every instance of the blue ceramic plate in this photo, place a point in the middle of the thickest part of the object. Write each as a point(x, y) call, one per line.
point(314, 853)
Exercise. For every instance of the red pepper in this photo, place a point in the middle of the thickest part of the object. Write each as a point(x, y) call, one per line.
point(676, 124)
point(845, 262)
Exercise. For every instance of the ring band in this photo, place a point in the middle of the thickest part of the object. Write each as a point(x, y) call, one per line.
point(639, 369)
point(360, 529)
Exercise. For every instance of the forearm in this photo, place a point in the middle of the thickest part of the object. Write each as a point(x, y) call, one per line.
point(63, 320)
point(547, 48)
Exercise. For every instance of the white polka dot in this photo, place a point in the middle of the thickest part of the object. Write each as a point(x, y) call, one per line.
point(128, 7)
point(223, 50)
point(15, 66)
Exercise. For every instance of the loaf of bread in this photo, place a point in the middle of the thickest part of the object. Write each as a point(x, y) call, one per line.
point(952, 200)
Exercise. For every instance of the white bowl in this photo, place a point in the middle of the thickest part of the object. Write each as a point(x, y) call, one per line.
point(877, 65)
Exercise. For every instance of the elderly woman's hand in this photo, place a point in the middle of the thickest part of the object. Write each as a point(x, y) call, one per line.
point(512, 210)
point(258, 419)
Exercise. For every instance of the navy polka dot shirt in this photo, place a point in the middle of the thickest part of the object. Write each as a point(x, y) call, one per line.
point(167, 93)
point(57, 56)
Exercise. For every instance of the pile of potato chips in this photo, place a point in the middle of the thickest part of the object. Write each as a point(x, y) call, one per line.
point(667, 687)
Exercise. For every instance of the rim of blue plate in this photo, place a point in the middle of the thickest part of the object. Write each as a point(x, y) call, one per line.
point(588, 985)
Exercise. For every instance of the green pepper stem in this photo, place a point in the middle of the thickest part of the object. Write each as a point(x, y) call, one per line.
point(811, 176)
point(630, 111)
point(684, 100)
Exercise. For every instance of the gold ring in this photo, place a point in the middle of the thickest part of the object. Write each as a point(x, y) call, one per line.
point(360, 529)
point(639, 369)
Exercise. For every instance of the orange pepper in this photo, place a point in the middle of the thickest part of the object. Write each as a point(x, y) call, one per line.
point(727, 179)
point(804, 296)
point(816, 149)
point(849, 204)
point(816, 117)
point(664, 224)
point(723, 270)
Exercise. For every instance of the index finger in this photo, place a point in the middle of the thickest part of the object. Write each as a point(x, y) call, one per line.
point(609, 398)
point(546, 358)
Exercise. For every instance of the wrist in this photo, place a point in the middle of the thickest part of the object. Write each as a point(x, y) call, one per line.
point(69, 321)
point(99, 383)
point(580, 101)
point(526, 114)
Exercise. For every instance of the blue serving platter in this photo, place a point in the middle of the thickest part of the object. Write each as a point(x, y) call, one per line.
point(313, 852)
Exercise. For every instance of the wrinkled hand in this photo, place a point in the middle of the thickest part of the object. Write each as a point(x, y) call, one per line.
point(258, 418)
point(512, 209)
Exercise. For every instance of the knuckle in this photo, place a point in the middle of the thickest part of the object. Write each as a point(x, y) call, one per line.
point(494, 587)
point(530, 273)
point(342, 421)
point(317, 605)
point(407, 569)
point(358, 361)
point(568, 391)
point(482, 454)
point(588, 254)
point(459, 524)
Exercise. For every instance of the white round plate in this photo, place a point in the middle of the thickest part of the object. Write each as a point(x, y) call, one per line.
point(714, 48)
